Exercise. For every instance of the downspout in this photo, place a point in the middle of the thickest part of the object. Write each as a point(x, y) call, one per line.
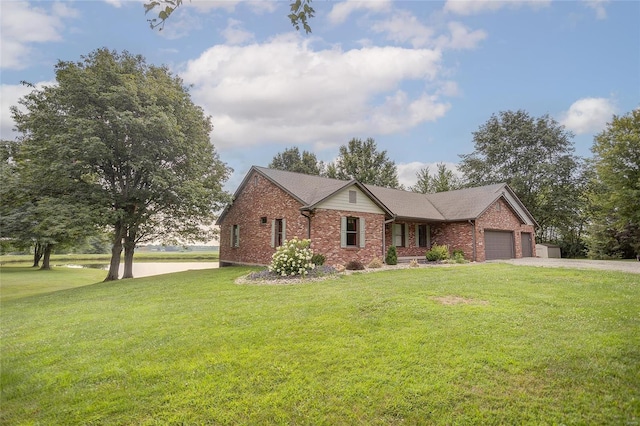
point(309, 224)
point(473, 236)
point(384, 236)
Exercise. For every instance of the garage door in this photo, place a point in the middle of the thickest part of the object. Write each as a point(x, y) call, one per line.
point(498, 245)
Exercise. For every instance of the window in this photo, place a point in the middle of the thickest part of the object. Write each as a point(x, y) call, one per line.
point(352, 197)
point(400, 234)
point(278, 232)
point(235, 236)
point(422, 235)
point(352, 232)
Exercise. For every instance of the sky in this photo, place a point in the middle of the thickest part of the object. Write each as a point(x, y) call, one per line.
point(419, 77)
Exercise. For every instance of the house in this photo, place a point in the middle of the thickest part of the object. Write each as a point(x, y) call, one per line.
point(348, 220)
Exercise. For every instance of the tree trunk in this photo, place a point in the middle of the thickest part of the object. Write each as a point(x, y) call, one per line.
point(116, 251)
point(37, 254)
point(129, 249)
point(46, 256)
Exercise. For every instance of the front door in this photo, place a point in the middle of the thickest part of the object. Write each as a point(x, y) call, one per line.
point(527, 246)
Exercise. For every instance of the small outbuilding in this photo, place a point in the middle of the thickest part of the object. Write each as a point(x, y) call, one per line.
point(548, 251)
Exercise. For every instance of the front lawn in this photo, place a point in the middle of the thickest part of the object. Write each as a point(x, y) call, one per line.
point(473, 344)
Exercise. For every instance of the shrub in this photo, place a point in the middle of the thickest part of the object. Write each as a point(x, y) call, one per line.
point(437, 253)
point(375, 263)
point(456, 252)
point(459, 258)
point(354, 265)
point(318, 259)
point(414, 263)
point(292, 258)
point(392, 256)
point(339, 268)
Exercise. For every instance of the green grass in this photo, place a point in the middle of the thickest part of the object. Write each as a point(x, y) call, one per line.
point(187, 256)
point(525, 346)
point(21, 281)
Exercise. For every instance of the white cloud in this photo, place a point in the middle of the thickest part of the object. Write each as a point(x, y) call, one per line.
point(461, 37)
point(588, 115)
point(23, 25)
point(285, 92)
point(598, 6)
point(473, 7)
point(341, 11)
point(404, 27)
point(9, 95)
point(234, 34)
point(407, 171)
point(114, 3)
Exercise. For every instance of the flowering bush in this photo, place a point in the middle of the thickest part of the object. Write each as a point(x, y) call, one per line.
point(292, 258)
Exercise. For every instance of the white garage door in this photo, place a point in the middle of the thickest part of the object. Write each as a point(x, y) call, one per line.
point(498, 245)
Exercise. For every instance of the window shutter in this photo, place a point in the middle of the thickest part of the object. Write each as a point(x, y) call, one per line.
point(417, 235)
point(238, 239)
point(273, 233)
point(406, 235)
point(343, 232)
point(362, 231)
point(284, 230)
point(428, 236)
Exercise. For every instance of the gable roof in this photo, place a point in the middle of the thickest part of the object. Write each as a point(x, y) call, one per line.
point(462, 204)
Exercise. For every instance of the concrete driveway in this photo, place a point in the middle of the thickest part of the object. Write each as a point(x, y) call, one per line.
point(608, 265)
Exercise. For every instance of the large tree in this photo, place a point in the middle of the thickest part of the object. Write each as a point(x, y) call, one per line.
point(126, 137)
point(444, 180)
point(535, 156)
point(300, 12)
point(615, 189)
point(37, 211)
point(291, 160)
point(361, 160)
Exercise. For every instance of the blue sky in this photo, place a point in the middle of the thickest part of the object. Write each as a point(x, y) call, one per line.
point(417, 76)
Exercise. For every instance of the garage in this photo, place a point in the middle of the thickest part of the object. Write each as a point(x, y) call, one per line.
point(498, 245)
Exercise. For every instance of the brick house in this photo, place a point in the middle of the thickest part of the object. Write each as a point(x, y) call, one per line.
point(347, 220)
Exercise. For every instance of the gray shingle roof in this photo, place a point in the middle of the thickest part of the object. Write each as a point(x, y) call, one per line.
point(307, 189)
point(463, 204)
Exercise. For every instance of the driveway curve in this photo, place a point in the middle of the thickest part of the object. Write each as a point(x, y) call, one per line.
point(632, 267)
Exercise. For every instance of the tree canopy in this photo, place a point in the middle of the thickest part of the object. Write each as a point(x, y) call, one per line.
point(535, 156)
point(291, 160)
point(124, 140)
point(444, 180)
point(615, 189)
point(361, 160)
point(300, 13)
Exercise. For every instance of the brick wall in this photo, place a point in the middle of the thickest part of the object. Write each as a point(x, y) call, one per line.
point(500, 217)
point(325, 237)
point(259, 198)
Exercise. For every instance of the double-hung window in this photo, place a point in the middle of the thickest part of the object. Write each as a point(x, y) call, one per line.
point(400, 234)
point(235, 236)
point(352, 232)
point(278, 232)
point(422, 235)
